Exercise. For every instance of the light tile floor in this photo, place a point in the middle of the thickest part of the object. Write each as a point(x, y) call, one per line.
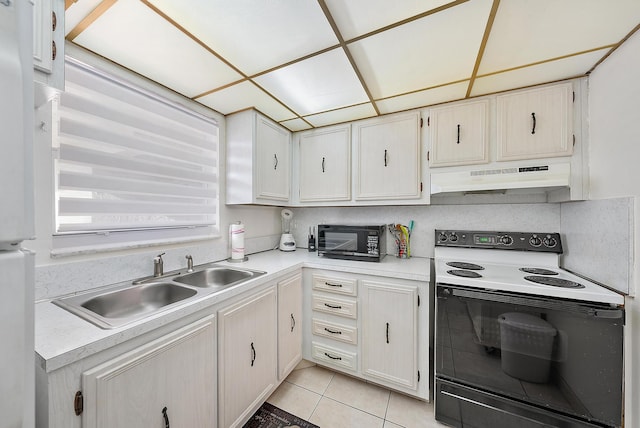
point(333, 400)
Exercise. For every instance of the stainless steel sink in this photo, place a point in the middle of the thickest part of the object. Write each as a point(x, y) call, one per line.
point(114, 308)
point(218, 277)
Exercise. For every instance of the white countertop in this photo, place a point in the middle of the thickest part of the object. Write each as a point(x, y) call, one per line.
point(62, 338)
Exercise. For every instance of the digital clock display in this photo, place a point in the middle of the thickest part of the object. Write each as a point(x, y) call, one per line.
point(480, 239)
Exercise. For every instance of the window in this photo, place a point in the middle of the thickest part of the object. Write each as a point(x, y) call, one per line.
point(131, 168)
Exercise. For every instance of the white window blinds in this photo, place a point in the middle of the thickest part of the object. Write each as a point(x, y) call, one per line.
point(129, 160)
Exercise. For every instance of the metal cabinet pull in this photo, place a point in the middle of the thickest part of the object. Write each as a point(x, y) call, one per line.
point(387, 332)
point(332, 285)
point(166, 417)
point(323, 164)
point(332, 306)
point(458, 142)
point(275, 161)
point(253, 354)
point(5, 2)
point(331, 331)
point(385, 157)
point(533, 128)
point(332, 357)
point(293, 323)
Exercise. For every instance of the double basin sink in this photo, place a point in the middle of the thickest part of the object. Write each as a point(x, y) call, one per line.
point(126, 304)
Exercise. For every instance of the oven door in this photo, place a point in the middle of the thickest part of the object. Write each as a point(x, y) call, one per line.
point(564, 357)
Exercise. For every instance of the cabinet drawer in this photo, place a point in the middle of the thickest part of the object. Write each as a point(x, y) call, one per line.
point(335, 331)
point(331, 305)
point(335, 285)
point(335, 357)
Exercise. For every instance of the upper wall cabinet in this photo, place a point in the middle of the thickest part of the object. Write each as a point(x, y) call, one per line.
point(459, 134)
point(48, 42)
point(537, 123)
point(258, 160)
point(325, 164)
point(387, 158)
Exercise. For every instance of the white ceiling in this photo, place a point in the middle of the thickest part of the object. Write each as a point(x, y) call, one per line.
point(308, 63)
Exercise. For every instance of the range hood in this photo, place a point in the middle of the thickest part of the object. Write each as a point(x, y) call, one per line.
point(535, 176)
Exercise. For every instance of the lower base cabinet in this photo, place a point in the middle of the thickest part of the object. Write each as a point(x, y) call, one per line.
point(290, 325)
point(168, 382)
point(390, 333)
point(247, 358)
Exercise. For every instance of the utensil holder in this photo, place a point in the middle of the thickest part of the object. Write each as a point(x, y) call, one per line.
point(403, 249)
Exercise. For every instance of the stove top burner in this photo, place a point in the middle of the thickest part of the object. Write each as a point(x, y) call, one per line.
point(555, 282)
point(464, 273)
point(538, 271)
point(465, 265)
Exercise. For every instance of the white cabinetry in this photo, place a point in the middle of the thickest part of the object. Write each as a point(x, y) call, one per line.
point(170, 380)
point(387, 158)
point(247, 361)
point(390, 332)
point(289, 324)
point(325, 164)
point(48, 42)
point(459, 134)
point(371, 327)
point(258, 160)
point(536, 123)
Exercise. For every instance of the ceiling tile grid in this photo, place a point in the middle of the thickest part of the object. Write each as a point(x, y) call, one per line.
point(313, 63)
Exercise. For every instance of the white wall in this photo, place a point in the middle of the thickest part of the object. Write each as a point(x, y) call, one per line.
point(614, 127)
point(65, 275)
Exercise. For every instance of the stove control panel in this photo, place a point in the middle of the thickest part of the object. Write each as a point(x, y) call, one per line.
point(522, 241)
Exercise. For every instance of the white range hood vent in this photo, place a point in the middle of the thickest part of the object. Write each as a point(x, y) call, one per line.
point(544, 177)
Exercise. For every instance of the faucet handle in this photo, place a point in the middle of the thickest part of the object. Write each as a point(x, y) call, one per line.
point(157, 266)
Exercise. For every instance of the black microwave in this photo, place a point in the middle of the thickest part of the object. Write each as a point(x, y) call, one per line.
point(364, 243)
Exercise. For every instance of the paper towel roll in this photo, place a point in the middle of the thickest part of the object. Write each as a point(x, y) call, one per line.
point(237, 241)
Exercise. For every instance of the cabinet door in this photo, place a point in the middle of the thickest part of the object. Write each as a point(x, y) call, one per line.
point(459, 134)
point(174, 375)
point(536, 123)
point(325, 165)
point(289, 324)
point(247, 358)
point(390, 333)
point(388, 158)
point(273, 160)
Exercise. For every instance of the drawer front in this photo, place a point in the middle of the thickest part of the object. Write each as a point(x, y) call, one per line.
point(335, 331)
point(335, 357)
point(335, 285)
point(331, 305)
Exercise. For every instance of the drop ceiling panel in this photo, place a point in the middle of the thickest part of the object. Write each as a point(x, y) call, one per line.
point(245, 95)
point(546, 72)
point(438, 49)
point(527, 31)
point(77, 12)
point(347, 114)
point(295, 125)
point(428, 97)
point(269, 33)
point(357, 17)
point(320, 83)
point(131, 34)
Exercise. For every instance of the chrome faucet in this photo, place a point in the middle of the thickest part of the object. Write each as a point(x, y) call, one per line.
point(189, 263)
point(158, 269)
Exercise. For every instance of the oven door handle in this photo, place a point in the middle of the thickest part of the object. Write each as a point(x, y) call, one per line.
point(582, 308)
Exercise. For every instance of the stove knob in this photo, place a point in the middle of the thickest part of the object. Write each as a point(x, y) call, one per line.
point(550, 241)
point(506, 240)
point(535, 241)
point(453, 237)
point(442, 237)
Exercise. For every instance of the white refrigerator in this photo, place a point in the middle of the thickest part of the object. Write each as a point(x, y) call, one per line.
point(17, 381)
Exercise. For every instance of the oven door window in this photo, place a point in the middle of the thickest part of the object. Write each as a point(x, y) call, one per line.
point(560, 355)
